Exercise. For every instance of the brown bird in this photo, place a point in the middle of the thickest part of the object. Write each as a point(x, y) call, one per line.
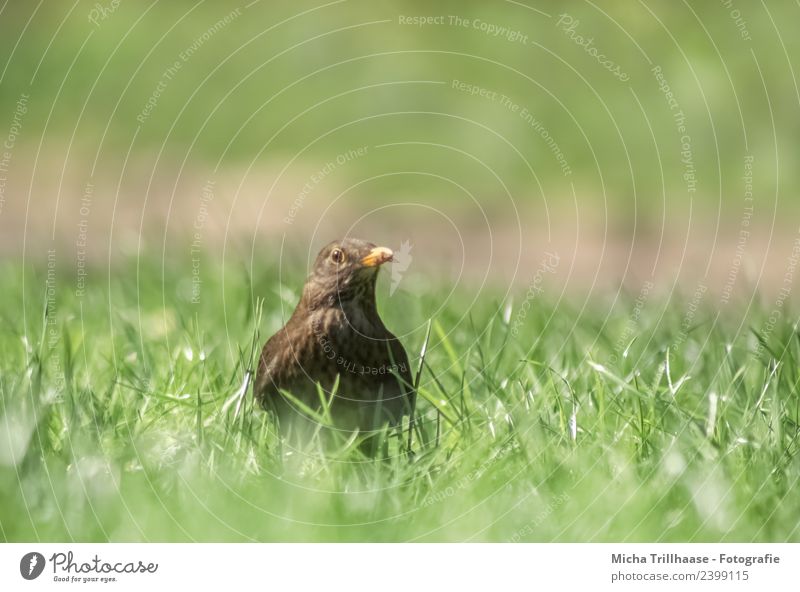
point(336, 345)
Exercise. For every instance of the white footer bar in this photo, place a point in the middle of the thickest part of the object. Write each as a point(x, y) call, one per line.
point(401, 568)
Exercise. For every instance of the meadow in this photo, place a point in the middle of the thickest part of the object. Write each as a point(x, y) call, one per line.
point(143, 144)
point(123, 416)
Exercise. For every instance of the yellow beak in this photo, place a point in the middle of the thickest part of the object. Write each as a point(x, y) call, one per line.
point(377, 256)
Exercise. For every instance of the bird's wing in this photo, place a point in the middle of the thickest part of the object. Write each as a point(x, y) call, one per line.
point(406, 383)
point(279, 364)
point(266, 384)
point(403, 367)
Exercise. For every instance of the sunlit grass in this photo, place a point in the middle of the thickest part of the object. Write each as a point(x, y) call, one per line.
point(124, 417)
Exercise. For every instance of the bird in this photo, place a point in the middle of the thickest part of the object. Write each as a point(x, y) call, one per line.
point(336, 345)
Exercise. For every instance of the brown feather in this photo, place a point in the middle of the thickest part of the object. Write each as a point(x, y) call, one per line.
point(336, 331)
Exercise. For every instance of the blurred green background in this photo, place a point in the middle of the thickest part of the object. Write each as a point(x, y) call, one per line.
point(269, 81)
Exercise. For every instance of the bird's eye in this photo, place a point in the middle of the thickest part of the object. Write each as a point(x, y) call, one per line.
point(337, 256)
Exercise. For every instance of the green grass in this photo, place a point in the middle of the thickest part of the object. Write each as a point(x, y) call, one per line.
point(121, 419)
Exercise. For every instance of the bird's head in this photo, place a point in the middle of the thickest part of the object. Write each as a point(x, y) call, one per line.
point(345, 270)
